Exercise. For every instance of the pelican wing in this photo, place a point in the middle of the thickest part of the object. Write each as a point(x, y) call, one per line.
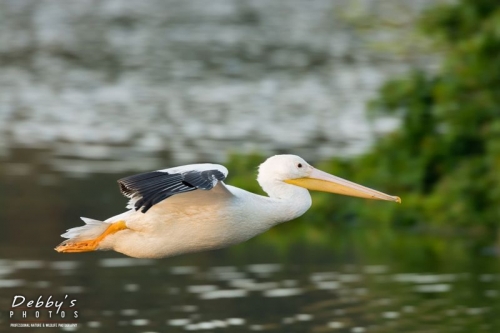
point(149, 188)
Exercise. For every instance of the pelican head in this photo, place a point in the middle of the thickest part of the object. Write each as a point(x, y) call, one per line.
point(281, 170)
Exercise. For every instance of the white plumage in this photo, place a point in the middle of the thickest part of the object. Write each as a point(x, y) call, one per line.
point(189, 208)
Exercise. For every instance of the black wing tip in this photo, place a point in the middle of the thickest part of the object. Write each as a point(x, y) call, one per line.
point(150, 188)
point(203, 180)
point(144, 204)
point(126, 191)
point(219, 175)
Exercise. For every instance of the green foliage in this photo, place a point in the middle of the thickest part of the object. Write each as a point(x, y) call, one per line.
point(444, 159)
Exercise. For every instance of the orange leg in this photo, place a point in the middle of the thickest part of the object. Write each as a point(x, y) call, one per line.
point(90, 244)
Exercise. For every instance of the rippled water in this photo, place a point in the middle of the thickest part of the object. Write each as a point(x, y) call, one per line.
point(131, 295)
point(131, 83)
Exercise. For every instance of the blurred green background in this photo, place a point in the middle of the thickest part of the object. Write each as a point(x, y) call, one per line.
point(400, 96)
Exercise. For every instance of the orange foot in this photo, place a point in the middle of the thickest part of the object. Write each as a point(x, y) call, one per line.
point(70, 246)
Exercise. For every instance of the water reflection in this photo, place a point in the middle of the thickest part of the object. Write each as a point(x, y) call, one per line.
point(155, 297)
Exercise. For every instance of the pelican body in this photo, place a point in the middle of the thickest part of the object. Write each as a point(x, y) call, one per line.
point(190, 209)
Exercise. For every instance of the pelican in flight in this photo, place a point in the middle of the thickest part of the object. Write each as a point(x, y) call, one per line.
point(189, 208)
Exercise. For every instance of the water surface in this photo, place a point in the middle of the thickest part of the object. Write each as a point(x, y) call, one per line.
point(298, 277)
point(220, 291)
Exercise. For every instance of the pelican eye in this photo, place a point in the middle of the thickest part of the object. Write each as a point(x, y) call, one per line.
point(299, 165)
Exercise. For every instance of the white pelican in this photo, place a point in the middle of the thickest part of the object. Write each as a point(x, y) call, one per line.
point(188, 209)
